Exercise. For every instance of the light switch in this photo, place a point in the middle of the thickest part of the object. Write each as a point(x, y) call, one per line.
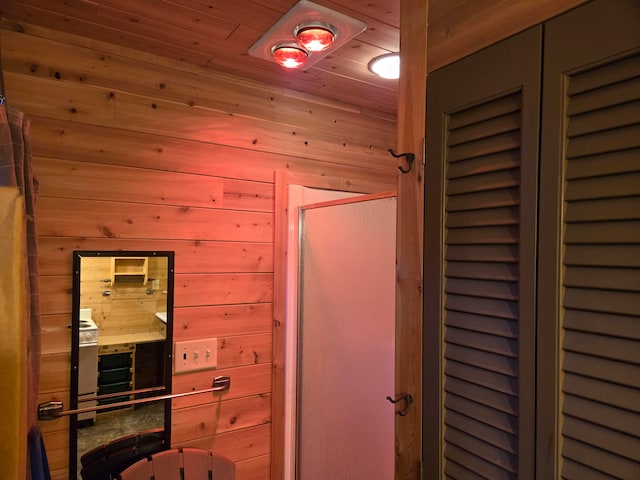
point(192, 355)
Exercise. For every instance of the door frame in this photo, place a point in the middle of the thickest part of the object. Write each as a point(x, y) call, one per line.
point(284, 178)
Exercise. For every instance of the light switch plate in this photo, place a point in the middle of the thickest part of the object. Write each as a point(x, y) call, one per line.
point(193, 355)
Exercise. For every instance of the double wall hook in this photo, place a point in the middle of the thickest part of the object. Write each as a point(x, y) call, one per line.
point(407, 397)
point(410, 158)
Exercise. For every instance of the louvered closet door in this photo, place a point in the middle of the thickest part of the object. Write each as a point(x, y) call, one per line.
point(480, 218)
point(590, 244)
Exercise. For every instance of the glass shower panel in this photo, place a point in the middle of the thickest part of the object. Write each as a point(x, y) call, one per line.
point(346, 340)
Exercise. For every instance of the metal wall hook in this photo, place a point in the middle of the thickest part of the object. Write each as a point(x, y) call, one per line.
point(410, 158)
point(407, 397)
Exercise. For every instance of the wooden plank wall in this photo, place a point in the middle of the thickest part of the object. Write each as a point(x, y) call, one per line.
point(135, 152)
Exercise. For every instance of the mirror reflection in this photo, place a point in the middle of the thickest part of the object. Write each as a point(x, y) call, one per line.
point(121, 341)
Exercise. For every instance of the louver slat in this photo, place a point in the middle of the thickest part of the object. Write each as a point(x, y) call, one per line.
point(487, 181)
point(603, 142)
point(605, 97)
point(492, 436)
point(503, 403)
point(624, 374)
point(486, 235)
point(484, 217)
point(483, 342)
point(485, 111)
point(484, 164)
point(482, 306)
point(492, 198)
point(603, 255)
point(499, 271)
point(604, 323)
point(624, 232)
point(601, 404)
point(483, 324)
point(625, 208)
point(602, 346)
point(486, 415)
point(494, 362)
point(604, 415)
point(625, 279)
point(616, 72)
point(482, 290)
point(577, 471)
point(485, 469)
point(608, 163)
point(483, 446)
point(480, 376)
point(605, 301)
point(487, 146)
point(488, 253)
point(602, 391)
point(603, 187)
point(477, 131)
point(454, 471)
point(592, 458)
point(605, 438)
point(614, 117)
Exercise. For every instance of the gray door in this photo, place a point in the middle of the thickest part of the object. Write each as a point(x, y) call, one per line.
point(480, 263)
point(532, 287)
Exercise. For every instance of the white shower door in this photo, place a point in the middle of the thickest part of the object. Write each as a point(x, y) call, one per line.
point(346, 360)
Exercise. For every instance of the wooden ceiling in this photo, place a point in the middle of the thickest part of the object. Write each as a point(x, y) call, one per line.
point(217, 34)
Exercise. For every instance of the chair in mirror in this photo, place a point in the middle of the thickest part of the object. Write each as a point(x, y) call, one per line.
point(121, 341)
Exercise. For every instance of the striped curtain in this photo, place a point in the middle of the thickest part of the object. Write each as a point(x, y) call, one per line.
point(16, 171)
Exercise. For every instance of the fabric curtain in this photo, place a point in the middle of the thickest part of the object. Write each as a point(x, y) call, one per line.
point(16, 171)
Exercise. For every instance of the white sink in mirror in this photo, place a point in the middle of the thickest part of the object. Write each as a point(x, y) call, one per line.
point(162, 316)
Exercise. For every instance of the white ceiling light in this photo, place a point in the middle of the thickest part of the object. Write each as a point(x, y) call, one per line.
point(386, 66)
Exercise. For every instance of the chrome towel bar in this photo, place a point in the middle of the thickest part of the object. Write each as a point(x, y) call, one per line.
point(55, 409)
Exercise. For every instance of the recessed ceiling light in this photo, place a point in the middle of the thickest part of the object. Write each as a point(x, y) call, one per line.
point(386, 66)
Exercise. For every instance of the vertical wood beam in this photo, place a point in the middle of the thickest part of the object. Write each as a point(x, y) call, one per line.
point(411, 128)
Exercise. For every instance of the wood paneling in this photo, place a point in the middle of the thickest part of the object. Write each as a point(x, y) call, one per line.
point(218, 37)
point(136, 154)
point(237, 445)
point(219, 417)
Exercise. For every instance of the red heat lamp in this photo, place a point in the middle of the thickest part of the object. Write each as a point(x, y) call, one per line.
point(305, 35)
point(315, 36)
point(289, 56)
point(310, 37)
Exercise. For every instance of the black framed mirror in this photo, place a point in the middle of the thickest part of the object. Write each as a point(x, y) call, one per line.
point(121, 342)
